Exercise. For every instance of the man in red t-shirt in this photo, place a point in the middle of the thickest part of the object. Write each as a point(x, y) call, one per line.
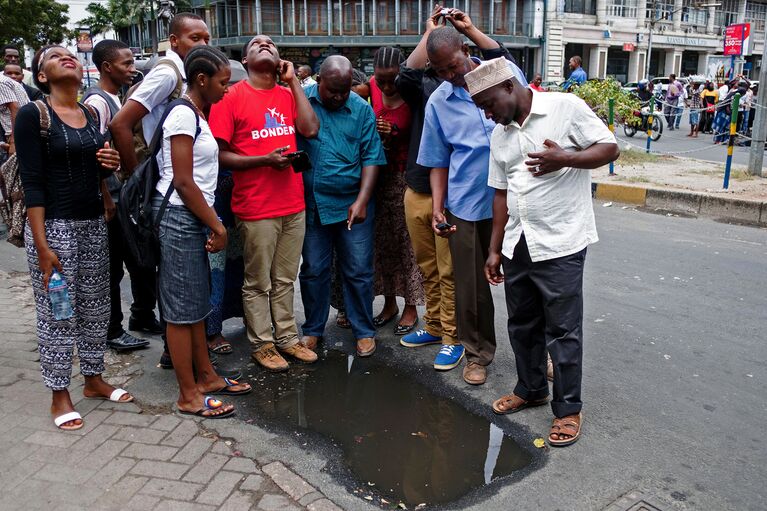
point(255, 125)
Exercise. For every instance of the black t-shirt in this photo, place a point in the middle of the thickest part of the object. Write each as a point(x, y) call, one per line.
point(416, 86)
point(61, 174)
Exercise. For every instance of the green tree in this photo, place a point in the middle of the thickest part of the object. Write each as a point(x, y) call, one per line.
point(100, 19)
point(33, 22)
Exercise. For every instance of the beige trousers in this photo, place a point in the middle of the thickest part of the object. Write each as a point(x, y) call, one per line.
point(271, 252)
point(432, 254)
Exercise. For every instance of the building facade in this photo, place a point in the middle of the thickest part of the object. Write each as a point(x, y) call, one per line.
point(612, 37)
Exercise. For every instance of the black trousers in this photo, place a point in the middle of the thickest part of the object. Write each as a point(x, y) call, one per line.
point(545, 304)
point(474, 310)
point(143, 283)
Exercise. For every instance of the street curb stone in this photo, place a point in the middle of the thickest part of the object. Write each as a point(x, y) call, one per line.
point(695, 204)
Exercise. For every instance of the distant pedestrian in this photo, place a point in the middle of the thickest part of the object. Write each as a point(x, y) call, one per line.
point(536, 83)
point(543, 220)
point(670, 107)
point(577, 76)
point(709, 96)
point(304, 74)
point(695, 102)
point(12, 55)
point(61, 173)
point(15, 72)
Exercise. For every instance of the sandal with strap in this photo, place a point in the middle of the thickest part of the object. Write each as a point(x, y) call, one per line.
point(217, 344)
point(61, 420)
point(569, 426)
point(512, 403)
point(209, 406)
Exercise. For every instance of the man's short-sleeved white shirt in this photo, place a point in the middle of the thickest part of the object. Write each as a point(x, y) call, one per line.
point(154, 90)
point(554, 211)
point(181, 121)
point(102, 108)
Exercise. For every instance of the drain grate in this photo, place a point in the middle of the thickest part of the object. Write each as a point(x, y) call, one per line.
point(637, 501)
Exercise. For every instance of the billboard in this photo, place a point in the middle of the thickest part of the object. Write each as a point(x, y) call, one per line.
point(84, 41)
point(737, 39)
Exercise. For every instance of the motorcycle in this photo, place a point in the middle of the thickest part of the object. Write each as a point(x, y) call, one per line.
point(657, 124)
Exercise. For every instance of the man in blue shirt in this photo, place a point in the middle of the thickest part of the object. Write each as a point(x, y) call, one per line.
point(455, 144)
point(578, 76)
point(345, 157)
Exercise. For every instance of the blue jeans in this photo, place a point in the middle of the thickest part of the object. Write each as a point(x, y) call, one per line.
point(745, 114)
point(355, 257)
point(679, 111)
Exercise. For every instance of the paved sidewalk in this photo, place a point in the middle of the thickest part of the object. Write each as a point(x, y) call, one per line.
point(124, 457)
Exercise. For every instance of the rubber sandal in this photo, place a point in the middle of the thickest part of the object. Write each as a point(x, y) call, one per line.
point(219, 345)
point(68, 417)
point(380, 320)
point(570, 425)
point(225, 391)
point(525, 404)
point(401, 329)
point(113, 397)
point(210, 404)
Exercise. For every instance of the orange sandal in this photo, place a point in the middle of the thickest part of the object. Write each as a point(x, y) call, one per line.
point(569, 426)
point(516, 404)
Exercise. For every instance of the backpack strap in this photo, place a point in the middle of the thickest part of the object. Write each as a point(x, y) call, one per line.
point(158, 137)
point(98, 91)
point(45, 118)
point(94, 115)
point(179, 88)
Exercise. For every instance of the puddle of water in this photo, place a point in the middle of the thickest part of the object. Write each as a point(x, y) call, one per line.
point(398, 438)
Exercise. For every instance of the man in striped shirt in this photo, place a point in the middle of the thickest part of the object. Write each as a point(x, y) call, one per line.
point(12, 97)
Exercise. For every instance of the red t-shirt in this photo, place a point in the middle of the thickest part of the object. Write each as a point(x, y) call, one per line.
point(254, 123)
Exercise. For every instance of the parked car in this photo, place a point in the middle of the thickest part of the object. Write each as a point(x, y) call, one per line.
point(630, 86)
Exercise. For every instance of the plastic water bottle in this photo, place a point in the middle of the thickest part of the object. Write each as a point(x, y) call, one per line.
point(59, 295)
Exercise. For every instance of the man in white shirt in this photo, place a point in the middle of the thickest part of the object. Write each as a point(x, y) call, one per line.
point(148, 101)
point(12, 98)
point(116, 66)
point(304, 74)
point(543, 220)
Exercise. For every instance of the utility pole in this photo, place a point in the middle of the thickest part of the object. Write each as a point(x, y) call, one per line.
point(756, 156)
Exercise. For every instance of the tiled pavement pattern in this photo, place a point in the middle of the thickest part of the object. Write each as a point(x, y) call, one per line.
point(124, 458)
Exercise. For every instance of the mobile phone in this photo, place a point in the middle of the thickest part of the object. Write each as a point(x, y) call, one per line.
point(444, 226)
point(300, 161)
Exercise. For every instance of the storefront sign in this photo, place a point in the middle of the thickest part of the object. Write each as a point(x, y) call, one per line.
point(629, 47)
point(686, 41)
point(737, 39)
point(84, 41)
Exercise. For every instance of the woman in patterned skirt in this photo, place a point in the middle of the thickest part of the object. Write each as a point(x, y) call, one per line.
point(61, 170)
point(397, 273)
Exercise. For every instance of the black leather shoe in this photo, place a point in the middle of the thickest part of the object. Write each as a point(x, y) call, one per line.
point(149, 325)
point(127, 342)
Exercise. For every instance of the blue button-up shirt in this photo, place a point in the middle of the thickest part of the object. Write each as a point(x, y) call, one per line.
point(456, 135)
point(346, 142)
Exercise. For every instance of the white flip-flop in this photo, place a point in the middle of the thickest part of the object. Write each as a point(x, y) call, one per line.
point(114, 396)
point(68, 417)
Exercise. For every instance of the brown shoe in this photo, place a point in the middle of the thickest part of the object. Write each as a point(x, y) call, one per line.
point(366, 346)
point(310, 341)
point(474, 374)
point(270, 359)
point(300, 352)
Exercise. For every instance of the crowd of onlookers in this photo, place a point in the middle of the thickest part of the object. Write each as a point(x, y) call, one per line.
point(417, 183)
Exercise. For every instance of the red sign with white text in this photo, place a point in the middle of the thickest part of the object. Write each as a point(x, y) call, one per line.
point(737, 39)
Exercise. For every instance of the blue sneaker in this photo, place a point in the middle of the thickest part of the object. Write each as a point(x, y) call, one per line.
point(419, 338)
point(448, 357)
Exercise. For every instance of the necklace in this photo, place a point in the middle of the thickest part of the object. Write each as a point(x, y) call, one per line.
point(196, 108)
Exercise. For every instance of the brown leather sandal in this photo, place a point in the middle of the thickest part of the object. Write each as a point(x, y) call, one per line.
point(569, 427)
point(512, 403)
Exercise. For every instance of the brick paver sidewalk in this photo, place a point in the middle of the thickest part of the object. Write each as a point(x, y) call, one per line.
point(124, 457)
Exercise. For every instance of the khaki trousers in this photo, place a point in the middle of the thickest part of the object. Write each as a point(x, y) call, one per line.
point(271, 253)
point(432, 254)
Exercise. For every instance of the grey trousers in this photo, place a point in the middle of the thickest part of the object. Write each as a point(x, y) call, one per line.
point(545, 305)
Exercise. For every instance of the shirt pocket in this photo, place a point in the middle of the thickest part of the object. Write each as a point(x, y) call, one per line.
point(346, 145)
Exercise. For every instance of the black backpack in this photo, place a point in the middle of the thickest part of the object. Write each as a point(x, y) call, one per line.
point(139, 224)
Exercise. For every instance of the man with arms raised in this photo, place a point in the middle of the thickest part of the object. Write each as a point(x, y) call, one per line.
point(543, 220)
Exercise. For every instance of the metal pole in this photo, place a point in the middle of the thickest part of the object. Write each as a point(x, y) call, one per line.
point(611, 125)
point(649, 123)
point(731, 142)
point(649, 51)
point(759, 133)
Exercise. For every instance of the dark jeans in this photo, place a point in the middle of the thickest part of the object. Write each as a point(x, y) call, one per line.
point(545, 304)
point(474, 310)
point(143, 282)
point(355, 258)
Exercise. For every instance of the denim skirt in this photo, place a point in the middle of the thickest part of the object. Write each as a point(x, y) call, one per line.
point(184, 280)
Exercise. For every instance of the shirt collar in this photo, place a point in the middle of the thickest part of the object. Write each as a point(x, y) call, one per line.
point(539, 106)
point(172, 55)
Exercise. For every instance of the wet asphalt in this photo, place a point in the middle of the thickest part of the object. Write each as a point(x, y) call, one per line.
point(674, 380)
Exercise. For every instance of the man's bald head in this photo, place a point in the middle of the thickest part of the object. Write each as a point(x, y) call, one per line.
point(335, 81)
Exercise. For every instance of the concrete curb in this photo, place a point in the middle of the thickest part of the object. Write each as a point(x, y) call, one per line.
point(688, 203)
